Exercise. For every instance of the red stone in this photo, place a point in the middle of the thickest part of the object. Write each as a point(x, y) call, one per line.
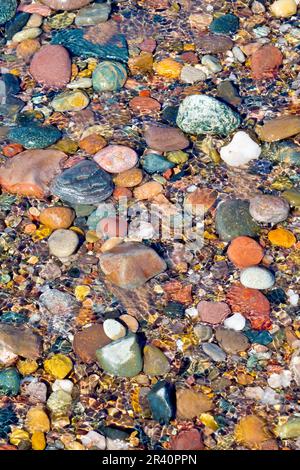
point(213, 313)
point(11, 150)
point(51, 66)
point(190, 58)
point(265, 62)
point(148, 45)
point(122, 192)
point(165, 139)
point(87, 341)
point(144, 105)
point(187, 440)
point(252, 304)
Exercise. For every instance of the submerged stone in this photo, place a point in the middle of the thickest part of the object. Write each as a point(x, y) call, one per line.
point(93, 14)
point(121, 358)
point(225, 24)
point(109, 76)
point(7, 10)
point(16, 24)
point(155, 163)
point(162, 399)
point(155, 362)
point(9, 382)
point(233, 220)
point(35, 137)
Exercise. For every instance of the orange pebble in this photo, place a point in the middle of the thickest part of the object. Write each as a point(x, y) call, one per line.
point(11, 150)
point(244, 252)
point(122, 192)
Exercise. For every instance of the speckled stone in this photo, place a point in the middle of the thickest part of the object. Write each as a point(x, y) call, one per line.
point(225, 24)
point(265, 62)
point(109, 76)
point(257, 277)
point(51, 66)
point(269, 209)
point(9, 382)
point(93, 14)
point(233, 220)
point(7, 10)
point(34, 137)
point(201, 114)
point(121, 358)
point(84, 183)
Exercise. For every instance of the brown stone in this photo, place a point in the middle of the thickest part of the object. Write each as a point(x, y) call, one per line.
point(201, 198)
point(129, 178)
point(148, 45)
point(87, 341)
point(214, 44)
point(279, 128)
point(92, 143)
point(141, 64)
point(191, 404)
point(57, 217)
point(27, 48)
point(189, 439)
point(51, 66)
point(165, 139)
point(213, 313)
point(131, 265)
point(252, 304)
point(231, 341)
point(20, 341)
point(148, 190)
point(144, 105)
point(265, 62)
point(244, 252)
point(190, 58)
point(66, 4)
point(155, 362)
point(30, 173)
point(121, 192)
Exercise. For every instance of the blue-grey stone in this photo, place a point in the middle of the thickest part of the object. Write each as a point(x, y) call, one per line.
point(16, 24)
point(225, 24)
point(162, 402)
point(233, 220)
point(34, 137)
point(214, 352)
point(9, 382)
point(84, 183)
point(7, 10)
point(155, 163)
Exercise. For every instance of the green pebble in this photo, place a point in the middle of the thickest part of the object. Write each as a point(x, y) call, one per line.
point(178, 157)
point(155, 163)
point(7, 10)
point(289, 430)
point(9, 382)
point(35, 137)
point(292, 196)
point(225, 24)
point(233, 220)
point(109, 76)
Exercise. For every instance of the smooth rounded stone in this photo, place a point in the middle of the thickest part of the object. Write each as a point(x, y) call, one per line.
point(109, 76)
point(283, 8)
point(9, 382)
point(201, 114)
point(57, 217)
point(7, 10)
point(51, 66)
point(129, 178)
point(257, 277)
point(112, 227)
point(66, 4)
point(233, 220)
point(292, 196)
point(241, 150)
point(114, 329)
point(168, 68)
point(93, 440)
point(252, 304)
point(252, 432)
point(25, 34)
point(30, 173)
point(92, 143)
point(162, 402)
point(214, 44)
point(231, 341)
point(155, 163)
point(213, 313)
point(83, 82)
point(104, 210)
point(93, 14)
point(73, 100)
point(236, 322)
point(148, 190)
point(190, 74)
point(63, 243)
point(225, 24)
point(269, 209)
point(191, 404)
point(238, 54)
point(203, 332)
point(155, 362)
point(84, 183)
point(34, 137)
point(265, 62)
point(87, 341)
point(130, 321)
point(212, 63)
point(26, 49)
point(20, 340)
point(282, 237)
point(214, 352)
point(165, 139)
point(116, 158)
point(59, 403)
point(121, 358)
point(58, 302)
point(290, 429)
point(189, 439)
point(279, 128)
point(131, 265)
point(244, 252)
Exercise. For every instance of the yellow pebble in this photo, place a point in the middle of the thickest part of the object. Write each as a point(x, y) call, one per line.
point(18, 435)
point(209, 421)
point(33, 260)
point(58, 365)
point(91, 236)
point(284, 8)
point(168, 68)
point(282, 237)
point(81, 292)
point(85, 73)
point(27, 366)
point(37, 420)
point(38, 441)
point(41, 233)
point(77, 230)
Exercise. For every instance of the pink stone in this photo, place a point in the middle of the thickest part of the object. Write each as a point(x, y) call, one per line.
point(213, 313)
point(66, 4)
point(148, 45)
point(116, 158)
point(189, 439)
point(51, 66)
point(113, 227)
point(165, 139)
point(42, 10)
point(30, 173)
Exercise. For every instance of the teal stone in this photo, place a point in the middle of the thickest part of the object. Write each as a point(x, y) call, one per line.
point(102, 211)
point(233, 220)
point(225, 24)
point(201, 114)
point(109, 76)
point(285, 151)
point(9, 382)
point(155, 163)
point(7, 10)
point(7, 418)
point(115, 48)
point(13, 318)
point(34, 137)
point(16, 24)
point(259, 337)
point(121, 358)
point(162, 402)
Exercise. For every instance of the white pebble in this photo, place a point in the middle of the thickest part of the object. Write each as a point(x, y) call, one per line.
point(238, 54)
point(236, 322)
point(241, 150)
point(114, 329)
point(94, 439)
point(190, 74)
point(63, 243)
point(192, 313)
point(84, 82)
point(257, 277)
point(64, 385)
